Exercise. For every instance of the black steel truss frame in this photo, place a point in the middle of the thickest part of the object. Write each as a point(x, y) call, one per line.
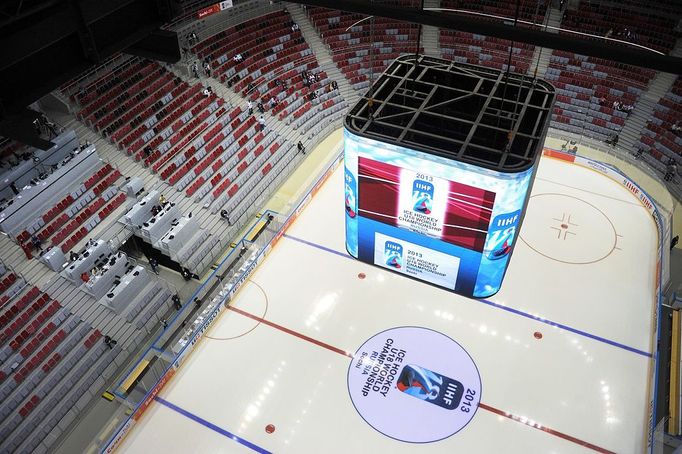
point(483, 116)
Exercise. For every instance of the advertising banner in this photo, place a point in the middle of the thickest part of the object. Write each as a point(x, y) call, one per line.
point(213, 9)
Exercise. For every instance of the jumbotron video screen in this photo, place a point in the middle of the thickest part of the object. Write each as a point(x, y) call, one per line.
point(441, 221)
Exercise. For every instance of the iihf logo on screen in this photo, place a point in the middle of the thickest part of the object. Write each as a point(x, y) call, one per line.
point(501, 235)
point(422, 196)
point(430, 387)
point(393, 254)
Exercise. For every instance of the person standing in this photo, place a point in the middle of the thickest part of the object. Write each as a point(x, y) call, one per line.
point(176, 302)
point(154, 264)
point(261, 121)
point(37, 244)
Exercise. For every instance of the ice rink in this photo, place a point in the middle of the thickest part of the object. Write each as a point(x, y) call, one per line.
point(563, 351)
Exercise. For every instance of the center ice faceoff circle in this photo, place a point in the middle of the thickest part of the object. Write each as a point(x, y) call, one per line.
point(414, 384)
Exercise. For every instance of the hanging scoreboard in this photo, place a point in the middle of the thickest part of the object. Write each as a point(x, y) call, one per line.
point(449, 222)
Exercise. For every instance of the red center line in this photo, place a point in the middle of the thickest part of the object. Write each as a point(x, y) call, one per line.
point(486, 407)
point(293, 333)
point(548, 430)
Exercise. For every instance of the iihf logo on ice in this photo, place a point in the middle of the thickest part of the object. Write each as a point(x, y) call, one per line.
point(430, 387)
point(393, 255)
point(422, 196)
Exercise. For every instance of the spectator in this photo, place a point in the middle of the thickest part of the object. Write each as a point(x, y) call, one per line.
point(261, 122)
point(155, 265)
point(674, 242)
point(612, 140)
point(207, 69)
point(195, 69)
point(249, 105)
point(294, 27)
point(300, 147)
point(147, 150)
point(335, 86)
point(670, 172)
point(238, 58)
point(627, 108)
point(676, 128)
point(85, 277)
point(186, 274)
point(640, 152)
point(162, 200)
point(261, 109)
point(14, 188)
point(207, 92)
point(109, 342)
point(164, 323)
point(197, 303)
point(37, 244)
point(176, 302)
point(273, 102)
point(226, 216)
point(602, 101)
point(73, 256)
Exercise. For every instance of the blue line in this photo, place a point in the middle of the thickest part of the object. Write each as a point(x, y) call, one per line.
point(506, 308)
point(318, 246)
point(211, 426)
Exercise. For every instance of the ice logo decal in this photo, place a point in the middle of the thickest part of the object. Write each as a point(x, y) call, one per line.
point(351, 204)
point(501, 235)
point(422, 196)
point(400, 398)
point(430, 387)
point(393, 255)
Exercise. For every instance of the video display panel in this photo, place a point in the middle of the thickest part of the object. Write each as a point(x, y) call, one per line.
point(448, 223)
